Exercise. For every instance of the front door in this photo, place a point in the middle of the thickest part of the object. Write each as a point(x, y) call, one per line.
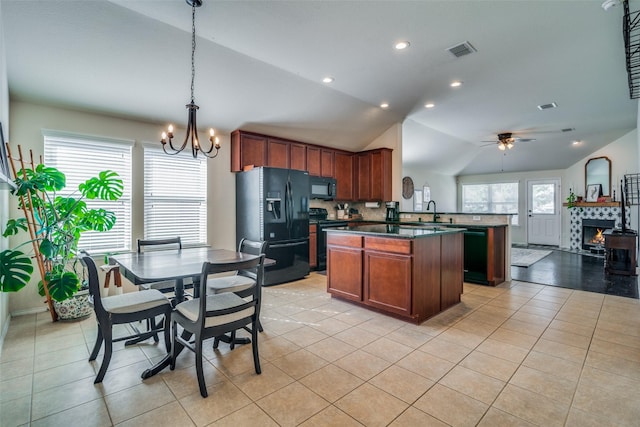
point(543, 212)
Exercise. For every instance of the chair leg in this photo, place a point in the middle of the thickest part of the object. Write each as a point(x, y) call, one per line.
point(199, 370)
point(174, 354)
point(216, 341)
point(232, 343)
point(260, 326)
point(152, 325)
point(97, 345)
point(254, 347)
point(108, 349)
point(167, 331)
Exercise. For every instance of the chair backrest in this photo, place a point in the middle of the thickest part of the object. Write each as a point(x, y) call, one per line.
point(254, 248)
point(256, 264)
point(174, 243)
point(94, 284)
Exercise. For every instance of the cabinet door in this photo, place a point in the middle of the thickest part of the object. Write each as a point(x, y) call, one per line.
point(253, 151)
point(381, 175)
point(313, 246)
point(451, 269)
point(388, 281)
point(364, 176)
point(277, 153)
point(327, 163)
point(313, 161)
point(344, 266)
point(298, 156)
point(344, 176)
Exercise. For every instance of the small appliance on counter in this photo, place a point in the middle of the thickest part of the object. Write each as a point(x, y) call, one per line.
point(393, 211)
point(319, 216)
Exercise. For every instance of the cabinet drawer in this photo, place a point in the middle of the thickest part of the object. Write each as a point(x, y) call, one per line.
point(400, 246)
point(344, 240)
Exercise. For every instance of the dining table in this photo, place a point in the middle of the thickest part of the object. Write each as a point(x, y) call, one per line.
point(175, 264)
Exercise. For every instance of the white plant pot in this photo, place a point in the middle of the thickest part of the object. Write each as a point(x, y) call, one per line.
point(76, 307)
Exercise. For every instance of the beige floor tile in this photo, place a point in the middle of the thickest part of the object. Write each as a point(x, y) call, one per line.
point(563, 351)
point(250, 415)
point(617, 338)
point(279, 326)
point(90, 414)
point(362, 364)
point(578, 418)
point(137, 400)
point(64, 397)
point(299, 363)
point(495, 417)
point(257, 386)
point(503, 350)
point(451, 407)
point(445, 349)
point(223, 399)
point(17, 348)
point(474, 384)
point(122, 378)
point(526, 328)
point(171, 414)
point(573, 328)
point(460, 337)
point(54, 343)
point(354, 316)
point(15, 412)
point(292, 404)
point(536, 304)
point(553, 365)
point(371, 406)
point(331, 349)
point(614, 364)
point(489, 318)
point(425, 364)
point(401, 383)
point(551, 386)
point(233, 363)
point(330, 417)
point(531, 406)
point(613, 349)
point(331, 382)
point(615, 385)
point(615, 407)
point(331, 326)
point(382, 325)
point(304, 336)
point(569, 338)
point(492, 366)
point(537, 316)
point(308, 317)
point(61, 375)
point(15, 388)
point(414, 417)
point(276, 347)
point(576, 317)
point(387, 349)
point(16, 368)
point(473, 326)
point(62, 357)
point(514, 338)
point(357, 337)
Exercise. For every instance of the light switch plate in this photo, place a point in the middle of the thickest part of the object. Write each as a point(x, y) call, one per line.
point(476, 218)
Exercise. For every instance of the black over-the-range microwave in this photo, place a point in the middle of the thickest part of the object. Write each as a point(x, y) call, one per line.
point(322, 188)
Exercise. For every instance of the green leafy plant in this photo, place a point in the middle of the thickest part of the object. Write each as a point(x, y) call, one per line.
point(572, 199)
point(55, 224)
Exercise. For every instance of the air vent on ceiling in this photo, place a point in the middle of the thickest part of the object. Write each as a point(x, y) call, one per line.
point(547, 106)
point(568, 129)
point(462, 49)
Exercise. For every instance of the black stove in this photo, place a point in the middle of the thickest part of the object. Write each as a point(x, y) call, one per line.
point(319, 216)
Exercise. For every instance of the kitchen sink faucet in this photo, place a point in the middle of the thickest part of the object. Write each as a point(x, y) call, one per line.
point(435, 213)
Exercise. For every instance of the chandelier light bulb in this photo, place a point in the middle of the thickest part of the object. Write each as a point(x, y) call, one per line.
point(501, 146)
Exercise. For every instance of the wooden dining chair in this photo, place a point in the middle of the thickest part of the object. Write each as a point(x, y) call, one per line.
point(213, 315)
point(240, 283)
point(124, 308)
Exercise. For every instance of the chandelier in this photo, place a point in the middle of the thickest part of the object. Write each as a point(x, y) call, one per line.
point(192, 129)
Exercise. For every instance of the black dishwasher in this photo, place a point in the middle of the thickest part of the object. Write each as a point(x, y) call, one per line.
point(475, 255)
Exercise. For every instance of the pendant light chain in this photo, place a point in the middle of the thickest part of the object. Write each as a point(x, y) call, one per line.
point(193, 47)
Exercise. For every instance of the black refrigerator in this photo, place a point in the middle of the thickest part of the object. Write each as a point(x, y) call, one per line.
point(272, 204)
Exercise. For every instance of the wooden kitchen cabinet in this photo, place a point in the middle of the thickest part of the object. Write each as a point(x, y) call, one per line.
point(247, 149)
point(277, 153)
point(327, 163)
point(380, 174)
point(344, 260)
point(363, 176)
point(344, 176)
point(298, 156)
point(313, 245)
point(313, 161)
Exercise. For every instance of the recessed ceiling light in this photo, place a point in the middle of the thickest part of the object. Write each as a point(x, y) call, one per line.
point(430, 105)
point(456, 83)
point(576, 143)
point(328, 79)
point(402, 45)
point(384, 105)
point(547, 106)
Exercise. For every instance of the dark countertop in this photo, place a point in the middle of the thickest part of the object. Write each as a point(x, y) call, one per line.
point(428, 224)
point(396, 231)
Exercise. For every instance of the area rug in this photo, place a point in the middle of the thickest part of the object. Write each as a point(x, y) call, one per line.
point(525, 257)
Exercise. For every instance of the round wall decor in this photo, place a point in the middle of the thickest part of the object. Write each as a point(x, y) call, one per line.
point(407, 187)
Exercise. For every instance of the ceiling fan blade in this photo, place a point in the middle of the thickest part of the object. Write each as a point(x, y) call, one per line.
point(517, 139)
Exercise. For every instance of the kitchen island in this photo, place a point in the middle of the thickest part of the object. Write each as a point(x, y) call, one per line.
point(409, 272)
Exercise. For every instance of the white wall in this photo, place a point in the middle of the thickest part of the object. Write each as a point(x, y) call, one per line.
point(4, 117)
point(442, 187)
point(392, 138)
point(27, 122)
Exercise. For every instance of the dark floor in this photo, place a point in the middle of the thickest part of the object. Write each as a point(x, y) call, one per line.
point(576, 271)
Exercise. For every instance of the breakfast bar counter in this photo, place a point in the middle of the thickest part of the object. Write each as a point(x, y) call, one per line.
point(409, 272)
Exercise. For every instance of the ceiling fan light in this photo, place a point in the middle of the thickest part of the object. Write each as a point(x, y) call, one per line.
point(501, 146)
point(509, 145)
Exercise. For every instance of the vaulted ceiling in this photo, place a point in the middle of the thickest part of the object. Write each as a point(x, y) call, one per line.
point(260, 64)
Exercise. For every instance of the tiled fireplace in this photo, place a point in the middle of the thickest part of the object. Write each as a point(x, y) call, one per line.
point(597, 217)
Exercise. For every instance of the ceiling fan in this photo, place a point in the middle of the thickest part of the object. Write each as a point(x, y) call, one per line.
point(507, 139)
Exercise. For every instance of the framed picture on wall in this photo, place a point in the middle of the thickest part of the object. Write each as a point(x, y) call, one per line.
point(593, 192)
point(4, 160)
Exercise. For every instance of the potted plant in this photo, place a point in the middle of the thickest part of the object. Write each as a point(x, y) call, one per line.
point(572, 201)
point(55, 224)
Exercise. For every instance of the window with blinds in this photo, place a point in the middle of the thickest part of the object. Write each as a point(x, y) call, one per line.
point(82, 157)
point(175, 197)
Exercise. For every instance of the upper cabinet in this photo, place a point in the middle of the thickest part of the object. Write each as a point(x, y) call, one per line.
point(364, 176)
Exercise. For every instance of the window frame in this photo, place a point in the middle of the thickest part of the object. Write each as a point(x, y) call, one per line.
point(489, 204)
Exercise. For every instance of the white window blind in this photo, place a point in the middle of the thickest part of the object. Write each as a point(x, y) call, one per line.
point(82, 157)
point(175, 196)
point(491, 198)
